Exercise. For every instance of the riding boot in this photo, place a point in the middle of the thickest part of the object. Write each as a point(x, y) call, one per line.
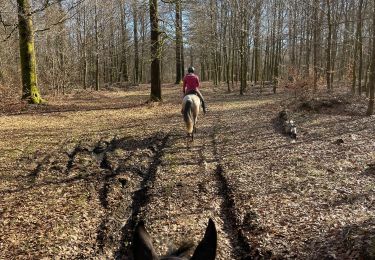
point(203, 106)
point(199, 94)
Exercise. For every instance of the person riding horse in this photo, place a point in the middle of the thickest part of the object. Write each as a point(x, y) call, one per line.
point(191, 86)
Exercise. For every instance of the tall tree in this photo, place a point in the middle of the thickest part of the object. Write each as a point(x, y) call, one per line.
point(256, 51)
point(179, 42)
point(97, 79)
point(316, 44)
point(360, 39)
point(329, 72)
point(136, 45)
point(243, 48)
point(358, 48)
point(370, 109)
point(30, 90)
point(182, 46)
point(124, 61)
point(155, 52)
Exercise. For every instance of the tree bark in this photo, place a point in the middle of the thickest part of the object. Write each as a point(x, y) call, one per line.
point(124, 61)
point(357, 48)
point(242, 49)
point(329, 48)
point(316, 45)
point(182, 48)
point(256, 53)
point(30, 90)
point(370, 109)
point(360, 47)
point(85, 67)
point(155, 47)
point(136, 47)
point(97, 75)
point(178, 42)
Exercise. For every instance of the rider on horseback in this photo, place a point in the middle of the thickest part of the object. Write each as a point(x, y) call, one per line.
point(191, 86)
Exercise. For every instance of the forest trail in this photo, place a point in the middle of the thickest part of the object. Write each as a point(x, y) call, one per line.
point(76, 187)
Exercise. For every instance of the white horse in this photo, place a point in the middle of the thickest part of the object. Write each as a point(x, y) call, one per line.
point(191, 106)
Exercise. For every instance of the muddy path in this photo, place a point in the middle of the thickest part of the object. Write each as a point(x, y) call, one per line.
point(76, 187)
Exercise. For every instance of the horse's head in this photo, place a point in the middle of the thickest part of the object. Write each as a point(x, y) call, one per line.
point(143, 249)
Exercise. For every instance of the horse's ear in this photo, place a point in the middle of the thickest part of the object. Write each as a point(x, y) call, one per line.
point(142, 245)
point(206, 250)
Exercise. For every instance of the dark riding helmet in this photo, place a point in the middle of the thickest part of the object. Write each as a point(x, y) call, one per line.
point(191, 69)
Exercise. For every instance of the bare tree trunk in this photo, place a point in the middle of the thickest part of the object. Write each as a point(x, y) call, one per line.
point(316, 46)
point(97, 74)
point(256, 53)
point(329, 48)
point(143, 51)
point(155, 52)
point(85, 67)
point(360, 47)
point(178, 42)
point(368, 73)
point(214, 39)
point(357, 47)
point(136, 42)
point(370, 109)
point(292, 34)
point(182, 47)
point(30, 90)
point(242, 49)
point(124, 61)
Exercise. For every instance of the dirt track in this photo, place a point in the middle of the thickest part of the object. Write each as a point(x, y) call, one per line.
point(74, 183)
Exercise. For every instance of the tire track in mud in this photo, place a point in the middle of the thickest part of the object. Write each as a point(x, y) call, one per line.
point(230, 213)
point(140, 200)
point(120, 172)
point(240, 247)
point(231, 226)
point(112, 167)
point(232, 223)
point(183, 197)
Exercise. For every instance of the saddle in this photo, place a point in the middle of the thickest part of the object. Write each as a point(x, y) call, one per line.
point(192, 92)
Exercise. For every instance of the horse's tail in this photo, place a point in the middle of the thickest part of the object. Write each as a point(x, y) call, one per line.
point(187, 116)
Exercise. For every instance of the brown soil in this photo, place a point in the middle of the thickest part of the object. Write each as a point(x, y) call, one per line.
point(78, 173)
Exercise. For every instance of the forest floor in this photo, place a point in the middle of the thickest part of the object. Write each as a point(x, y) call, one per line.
point(76, 175)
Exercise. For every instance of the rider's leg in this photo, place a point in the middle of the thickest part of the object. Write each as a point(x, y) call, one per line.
point(199, 94)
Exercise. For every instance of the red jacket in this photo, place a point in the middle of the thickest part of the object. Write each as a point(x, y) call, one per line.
point(191, 82)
